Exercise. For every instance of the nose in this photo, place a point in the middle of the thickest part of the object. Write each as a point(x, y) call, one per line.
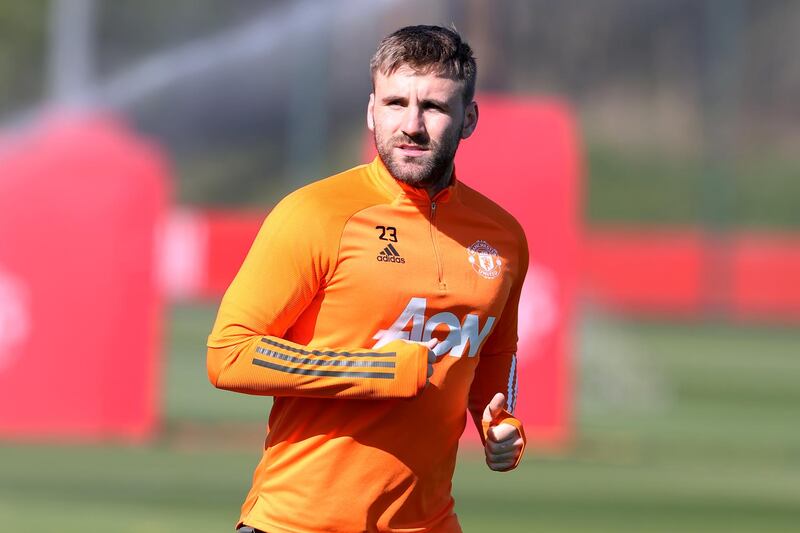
point(413, 123)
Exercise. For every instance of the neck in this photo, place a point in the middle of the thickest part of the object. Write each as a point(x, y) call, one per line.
point(440, 184)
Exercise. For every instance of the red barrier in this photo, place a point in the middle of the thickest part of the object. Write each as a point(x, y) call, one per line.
point(662, 272)
point(765, 277)
point(80, 310)
point(644, 271)
point(524, 155)
point(670, 273)
point(237, 232)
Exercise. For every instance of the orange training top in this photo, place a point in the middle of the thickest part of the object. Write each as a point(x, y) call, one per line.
point(343, 273)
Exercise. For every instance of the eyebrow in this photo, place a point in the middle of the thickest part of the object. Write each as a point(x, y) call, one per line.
point(439, 103)
point(392, 98)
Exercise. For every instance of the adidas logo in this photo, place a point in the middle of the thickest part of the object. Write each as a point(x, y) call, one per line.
point(390, 255)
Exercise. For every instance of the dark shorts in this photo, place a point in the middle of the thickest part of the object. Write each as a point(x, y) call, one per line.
point(248, 529)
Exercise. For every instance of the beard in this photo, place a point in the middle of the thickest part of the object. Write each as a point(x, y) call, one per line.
point(421, 171)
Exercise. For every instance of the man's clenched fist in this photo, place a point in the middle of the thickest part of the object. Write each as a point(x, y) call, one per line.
point(503, 441)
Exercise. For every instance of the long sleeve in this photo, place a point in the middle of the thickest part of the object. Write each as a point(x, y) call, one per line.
point(497, 368)
point(277, 367)
point(289, 262)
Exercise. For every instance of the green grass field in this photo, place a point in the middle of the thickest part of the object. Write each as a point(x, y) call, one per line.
point(680, 428)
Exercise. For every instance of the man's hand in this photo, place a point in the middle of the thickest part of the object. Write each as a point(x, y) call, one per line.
point(431, 356)
point(503, 441)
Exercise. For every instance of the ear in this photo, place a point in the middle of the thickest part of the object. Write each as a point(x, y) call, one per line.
point(370, 109)
point(470, 119)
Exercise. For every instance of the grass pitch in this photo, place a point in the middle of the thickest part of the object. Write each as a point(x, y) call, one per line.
point(681, 427)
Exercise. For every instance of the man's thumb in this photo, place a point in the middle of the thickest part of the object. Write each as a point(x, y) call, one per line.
point(431, 344)
point(494, 408)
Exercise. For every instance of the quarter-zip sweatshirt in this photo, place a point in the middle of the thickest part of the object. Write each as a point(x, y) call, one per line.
point(342, 279)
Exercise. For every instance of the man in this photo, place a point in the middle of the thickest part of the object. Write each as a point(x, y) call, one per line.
point(377, 306)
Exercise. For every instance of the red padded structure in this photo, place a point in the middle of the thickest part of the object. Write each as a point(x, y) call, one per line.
point(81, 200)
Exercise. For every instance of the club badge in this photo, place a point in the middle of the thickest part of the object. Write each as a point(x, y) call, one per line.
point(484, 259)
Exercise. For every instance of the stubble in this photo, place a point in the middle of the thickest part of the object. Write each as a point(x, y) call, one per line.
point(418, 172)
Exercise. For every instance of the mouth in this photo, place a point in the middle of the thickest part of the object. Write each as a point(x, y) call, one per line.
point(412, 150)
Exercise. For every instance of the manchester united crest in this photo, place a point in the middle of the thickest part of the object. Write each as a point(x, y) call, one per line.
point(484, 259)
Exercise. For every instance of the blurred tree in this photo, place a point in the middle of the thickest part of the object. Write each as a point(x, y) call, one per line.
point(23, 27)
point(131, 29)
point(636, 71)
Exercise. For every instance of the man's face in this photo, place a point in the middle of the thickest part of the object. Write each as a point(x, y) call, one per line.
point(418, 121)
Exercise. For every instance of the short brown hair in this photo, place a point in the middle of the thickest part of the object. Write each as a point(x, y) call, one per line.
point(427, 49)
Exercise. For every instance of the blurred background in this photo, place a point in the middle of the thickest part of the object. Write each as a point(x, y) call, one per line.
point(685, 353)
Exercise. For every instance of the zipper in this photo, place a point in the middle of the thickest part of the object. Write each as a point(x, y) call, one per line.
point(434, 240)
